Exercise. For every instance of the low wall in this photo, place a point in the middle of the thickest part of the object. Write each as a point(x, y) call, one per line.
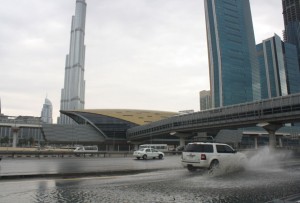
point(10, 152)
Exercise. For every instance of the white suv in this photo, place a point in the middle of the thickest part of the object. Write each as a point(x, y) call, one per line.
point(210, 155)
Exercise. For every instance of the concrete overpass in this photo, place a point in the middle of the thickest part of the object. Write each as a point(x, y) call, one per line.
point(15, 124)
point(270, 114)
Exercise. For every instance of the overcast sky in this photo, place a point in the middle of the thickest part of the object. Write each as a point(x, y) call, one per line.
point(140, 54)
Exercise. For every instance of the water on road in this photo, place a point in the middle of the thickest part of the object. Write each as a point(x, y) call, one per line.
point(178, 185)
point(266, 177)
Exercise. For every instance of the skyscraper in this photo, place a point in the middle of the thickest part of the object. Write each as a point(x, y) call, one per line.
point(46, 114)
point(291, 16)
point(0, 108)
point(233, 65)
point(271, 59)
point(73, 93)
point(205, 100)
point(292, 70)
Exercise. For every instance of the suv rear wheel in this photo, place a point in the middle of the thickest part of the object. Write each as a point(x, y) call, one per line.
point(213, 165)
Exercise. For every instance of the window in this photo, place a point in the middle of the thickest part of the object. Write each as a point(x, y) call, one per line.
point(224, 149)
point(208, 148)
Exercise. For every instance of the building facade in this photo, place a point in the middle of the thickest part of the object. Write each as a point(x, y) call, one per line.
point(291, 17)
point(46, 114)
point(279, 73)
point(29, 131)
point(73, 93)
point(233, 65)
point(104, 127)
point(292, 70)
point(272, 68)
point(205, 100)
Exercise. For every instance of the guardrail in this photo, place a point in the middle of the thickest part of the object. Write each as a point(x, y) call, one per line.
point(62, 154)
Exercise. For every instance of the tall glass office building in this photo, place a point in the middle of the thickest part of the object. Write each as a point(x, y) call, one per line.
point(234, 69)
point(279, 73)
point(291, 16)
point(273, 78)
point(292, 70)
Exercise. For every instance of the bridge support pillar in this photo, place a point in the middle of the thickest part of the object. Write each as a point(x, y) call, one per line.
point(280, 142)
point(15, 131)
point(255, 142)
point(272, 139)
point(271, 128)
point(136, 147)
point(181, 141)
point(181, 136)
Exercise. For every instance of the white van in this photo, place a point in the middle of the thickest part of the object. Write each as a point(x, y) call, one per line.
point(85, 149)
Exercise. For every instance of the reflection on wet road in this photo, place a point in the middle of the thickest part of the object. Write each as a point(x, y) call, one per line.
point(260, 184)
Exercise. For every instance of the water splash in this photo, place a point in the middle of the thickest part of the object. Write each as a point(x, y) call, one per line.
point(267, 159)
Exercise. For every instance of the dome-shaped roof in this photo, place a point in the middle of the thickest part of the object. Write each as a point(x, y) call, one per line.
point(139, 117)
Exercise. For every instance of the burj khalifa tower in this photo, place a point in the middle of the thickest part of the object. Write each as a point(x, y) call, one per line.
point(73, 93)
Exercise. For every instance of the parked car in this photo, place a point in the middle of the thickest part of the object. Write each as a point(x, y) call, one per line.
point(201, 155)
point(148, 153)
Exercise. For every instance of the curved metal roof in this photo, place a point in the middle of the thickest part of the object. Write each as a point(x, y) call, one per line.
point(139, 117)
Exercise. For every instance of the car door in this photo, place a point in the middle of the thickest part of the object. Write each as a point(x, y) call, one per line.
point(154, 153)
point(148, 153)
point(225, 154)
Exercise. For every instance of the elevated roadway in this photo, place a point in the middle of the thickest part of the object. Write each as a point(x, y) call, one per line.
point(271, 114)
point(19, 123)
point(15, 124)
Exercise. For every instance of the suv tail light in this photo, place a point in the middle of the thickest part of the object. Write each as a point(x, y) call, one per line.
point(203, 157)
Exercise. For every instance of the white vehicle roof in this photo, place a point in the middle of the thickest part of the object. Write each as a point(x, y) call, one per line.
point(207, 143)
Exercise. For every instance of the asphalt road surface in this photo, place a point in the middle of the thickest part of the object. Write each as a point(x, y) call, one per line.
point(264, 179)
point(176, 185)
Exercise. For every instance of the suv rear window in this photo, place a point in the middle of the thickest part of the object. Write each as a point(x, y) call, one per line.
point(199, 148)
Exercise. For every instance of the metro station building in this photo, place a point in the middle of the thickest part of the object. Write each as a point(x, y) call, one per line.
point(105, 128)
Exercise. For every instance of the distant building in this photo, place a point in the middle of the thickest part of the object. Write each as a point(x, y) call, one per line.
point(46, 114)
point(0, 108)
point(272, 68)
point(291, 16)
point(279, 73)
point(234, 70)
point(292, 70)
point(29, 131)
point(205, 100)
point(73, 93)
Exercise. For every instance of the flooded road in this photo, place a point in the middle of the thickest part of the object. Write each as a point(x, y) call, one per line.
point(178, 185)
point(266, 177)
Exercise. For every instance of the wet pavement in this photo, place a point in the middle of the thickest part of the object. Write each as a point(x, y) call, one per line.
point(266, 178)
point(49, 167)
point(165, 186)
